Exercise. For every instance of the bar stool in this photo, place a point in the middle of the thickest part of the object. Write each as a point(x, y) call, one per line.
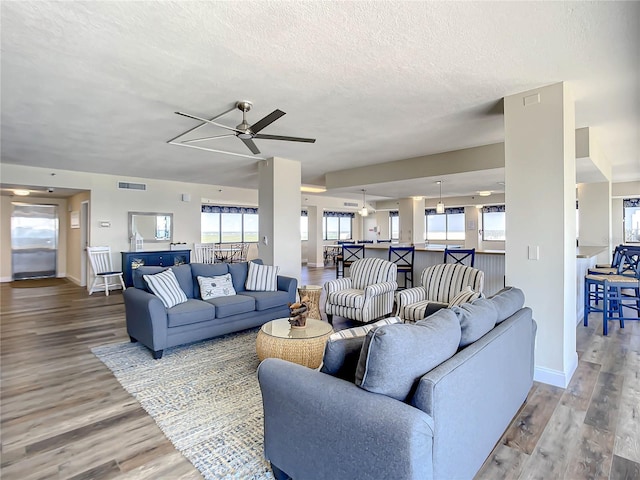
point(350, 253)
point(613, 290)
point(403, 258)
point(460, 255)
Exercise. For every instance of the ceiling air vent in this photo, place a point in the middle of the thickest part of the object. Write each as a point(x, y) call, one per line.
point(132, 186)
point(350, 204)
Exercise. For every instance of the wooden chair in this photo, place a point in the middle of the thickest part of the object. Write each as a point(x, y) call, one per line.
point(403, 258)
point(102, 266)
point(350, 253)
point(460, 256)
point(204, 253)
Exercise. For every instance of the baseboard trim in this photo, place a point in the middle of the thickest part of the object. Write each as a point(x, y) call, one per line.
point(556, 378)
point(74, 280)
point(315, 264)
point(6, 279)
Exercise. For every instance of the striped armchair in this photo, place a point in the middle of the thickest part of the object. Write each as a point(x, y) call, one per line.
point(364, 296)
point(440, 283)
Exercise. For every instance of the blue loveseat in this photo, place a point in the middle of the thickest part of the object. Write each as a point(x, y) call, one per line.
point(427, 401)
point(158, 328)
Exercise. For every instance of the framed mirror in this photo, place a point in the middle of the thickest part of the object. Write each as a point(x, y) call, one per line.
point(151, 226)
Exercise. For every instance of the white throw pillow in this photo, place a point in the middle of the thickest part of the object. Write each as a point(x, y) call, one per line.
point(212, 287)
point(262, 278)
point(166, 287)
point(464, 296)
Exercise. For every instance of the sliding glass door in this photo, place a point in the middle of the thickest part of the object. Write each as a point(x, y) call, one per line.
point(34, 240)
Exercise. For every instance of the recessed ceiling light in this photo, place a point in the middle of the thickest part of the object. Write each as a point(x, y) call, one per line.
point(485, 193)
point(21, 193)
point(417, 197)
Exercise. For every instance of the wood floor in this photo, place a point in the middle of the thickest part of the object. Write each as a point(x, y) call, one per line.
point(63, 415)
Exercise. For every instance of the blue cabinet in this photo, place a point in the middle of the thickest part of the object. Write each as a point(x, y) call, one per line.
point(162, 258)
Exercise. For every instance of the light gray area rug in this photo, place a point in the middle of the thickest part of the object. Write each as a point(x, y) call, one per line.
point(205, 397)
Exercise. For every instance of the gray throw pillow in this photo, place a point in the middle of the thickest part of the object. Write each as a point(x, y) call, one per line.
point(342, 351)
point(394, 357)
point(507, 302)
point(476, 319)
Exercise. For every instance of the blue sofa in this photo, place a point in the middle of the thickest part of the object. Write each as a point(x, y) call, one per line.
point(158, 328)
point(443, 424)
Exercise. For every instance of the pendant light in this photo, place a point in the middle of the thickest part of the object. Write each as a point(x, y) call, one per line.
point(440, 205)
point(364, 212)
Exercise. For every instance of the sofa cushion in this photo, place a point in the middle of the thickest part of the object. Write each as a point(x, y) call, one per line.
point(342, 351)
point(267, 300)
point(165, 286)
point(191, 311)
point(212, 287)
point(507, 302)
point(466, 295)
point(233, 305)
point(476, 319)
point(262, 278)
point(349, 297)
point(239, 273)
point(394, 357)
point(205, 270)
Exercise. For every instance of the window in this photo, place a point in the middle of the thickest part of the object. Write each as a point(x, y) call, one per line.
point(493, 223)
point(445, 226)
point(394, 225)
point(304, 226)
point(631, 216)
point(337, 225)
point(223, 224)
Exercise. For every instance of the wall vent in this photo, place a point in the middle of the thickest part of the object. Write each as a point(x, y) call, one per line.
point(132, 186)
point(350, 204)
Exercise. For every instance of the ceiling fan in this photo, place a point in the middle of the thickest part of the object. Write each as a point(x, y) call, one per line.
point(244, 131)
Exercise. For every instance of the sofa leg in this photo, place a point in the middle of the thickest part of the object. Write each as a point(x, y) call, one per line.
point(279, 474)
point(132, 340)
point(157, 354)
point(330, 318)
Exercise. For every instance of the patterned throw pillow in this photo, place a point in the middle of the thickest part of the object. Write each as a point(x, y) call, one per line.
point(212, 287)
point(165, 286)
point(465, 296)
point(262, 278)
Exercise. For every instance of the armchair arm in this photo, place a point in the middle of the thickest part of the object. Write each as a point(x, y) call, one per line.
point(337, 284)
point(317, 426)
point(146, 318)
point(380, 288)
point(289, 285)
point(407, 297)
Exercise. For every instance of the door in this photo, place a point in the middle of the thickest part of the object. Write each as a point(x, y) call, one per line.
point(84, 241)
point(34, 240)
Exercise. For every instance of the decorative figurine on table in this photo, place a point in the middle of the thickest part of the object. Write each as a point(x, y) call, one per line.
point(299, 311)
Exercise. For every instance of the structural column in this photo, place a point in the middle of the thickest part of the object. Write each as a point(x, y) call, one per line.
point(412, 220)
point(540, 221)
point(315, 252)
point(279, 215)
point(594, 213)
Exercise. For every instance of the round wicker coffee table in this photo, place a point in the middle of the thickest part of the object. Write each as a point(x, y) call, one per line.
point(304, 346)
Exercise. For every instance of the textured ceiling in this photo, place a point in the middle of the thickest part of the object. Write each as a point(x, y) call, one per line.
point(92, 86)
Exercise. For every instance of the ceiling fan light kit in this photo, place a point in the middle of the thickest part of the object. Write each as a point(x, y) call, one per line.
point(244, 131)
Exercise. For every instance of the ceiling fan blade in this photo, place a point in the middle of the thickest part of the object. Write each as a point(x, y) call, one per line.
point(252, 146)
point(269, 119)
point(209, 138)
point(188, 115)
point(280, 137)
